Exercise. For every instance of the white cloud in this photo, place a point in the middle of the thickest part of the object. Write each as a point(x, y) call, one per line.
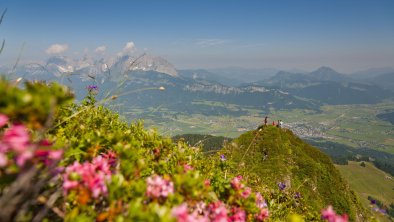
point(211, 42)
point(101, 49)
point(127, 49)
point(57, 49)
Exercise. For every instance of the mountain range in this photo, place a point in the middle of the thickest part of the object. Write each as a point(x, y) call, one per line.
point(136, 82)
point(330, 87)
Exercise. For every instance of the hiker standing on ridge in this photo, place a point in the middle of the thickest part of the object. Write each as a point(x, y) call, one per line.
point(280, 124)
point(266, 121)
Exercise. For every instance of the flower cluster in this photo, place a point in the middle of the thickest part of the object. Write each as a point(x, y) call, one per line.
point(220, 211)
point(89, 175)
point(216, 212)
point(181, 213)
point(16, 146)
point(159, 187)
point(236, 183)
point(240, 188)
point(330, 215)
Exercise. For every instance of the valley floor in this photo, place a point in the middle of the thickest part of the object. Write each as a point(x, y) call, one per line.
point(352, 125)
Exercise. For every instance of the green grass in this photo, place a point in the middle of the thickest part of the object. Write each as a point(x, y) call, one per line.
point(368, 181)
point(275, 155)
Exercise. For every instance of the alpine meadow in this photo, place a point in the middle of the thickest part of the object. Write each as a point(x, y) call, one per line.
point(197, 111)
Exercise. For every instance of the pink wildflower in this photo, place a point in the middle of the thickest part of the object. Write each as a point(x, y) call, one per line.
point(181, 213)
point(200, 207)
point(187, 168)
point(45, 142)
point(3, 160)
point(23, 157)
point(3, 147)
point(330, 215)
point(48, 156)
point(111, 157)
point(55, 154)
point(236, 182)
point(17, 137)
point(92, 176)
point(207, 182)
point(238, 215)
point(101, 164)
point(260, 202)
point(3, 120)
point(158, 187)
point(245, 194)
point(217, 212)
point(262, 214)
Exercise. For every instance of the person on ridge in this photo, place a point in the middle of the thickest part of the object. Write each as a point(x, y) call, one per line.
point(280, 124)
point(265, 120)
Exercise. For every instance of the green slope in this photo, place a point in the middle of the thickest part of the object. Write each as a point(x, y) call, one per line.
point(368, 181)
point(274, 155)
point(209, 143)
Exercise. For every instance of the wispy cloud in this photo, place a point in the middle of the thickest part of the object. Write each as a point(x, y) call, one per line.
point(211, 42)
point(100, 49)
point(57, 49)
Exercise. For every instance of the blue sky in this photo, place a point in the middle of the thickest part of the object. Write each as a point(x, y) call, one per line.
point(347, 35)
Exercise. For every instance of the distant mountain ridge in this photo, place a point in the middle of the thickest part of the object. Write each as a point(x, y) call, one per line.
point(183, 88)
point(328, 86)
point(385, 81)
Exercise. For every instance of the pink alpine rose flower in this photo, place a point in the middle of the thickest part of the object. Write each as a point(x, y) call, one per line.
point(92, 176)
point(262, 215)
point(3, 120)
point(111, 157)
point(17, 137)
point(22, 158)
point(48, 157)
point(180, 213)
point(238, 215)
point(245, 194)
point(3, 160)
point(330, 215)
point(236, 183)
point(217, 212)
point(158, 187)
point(260, 202)
point(187, 168)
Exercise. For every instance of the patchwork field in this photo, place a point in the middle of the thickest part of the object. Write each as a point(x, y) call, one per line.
point(353, 125)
